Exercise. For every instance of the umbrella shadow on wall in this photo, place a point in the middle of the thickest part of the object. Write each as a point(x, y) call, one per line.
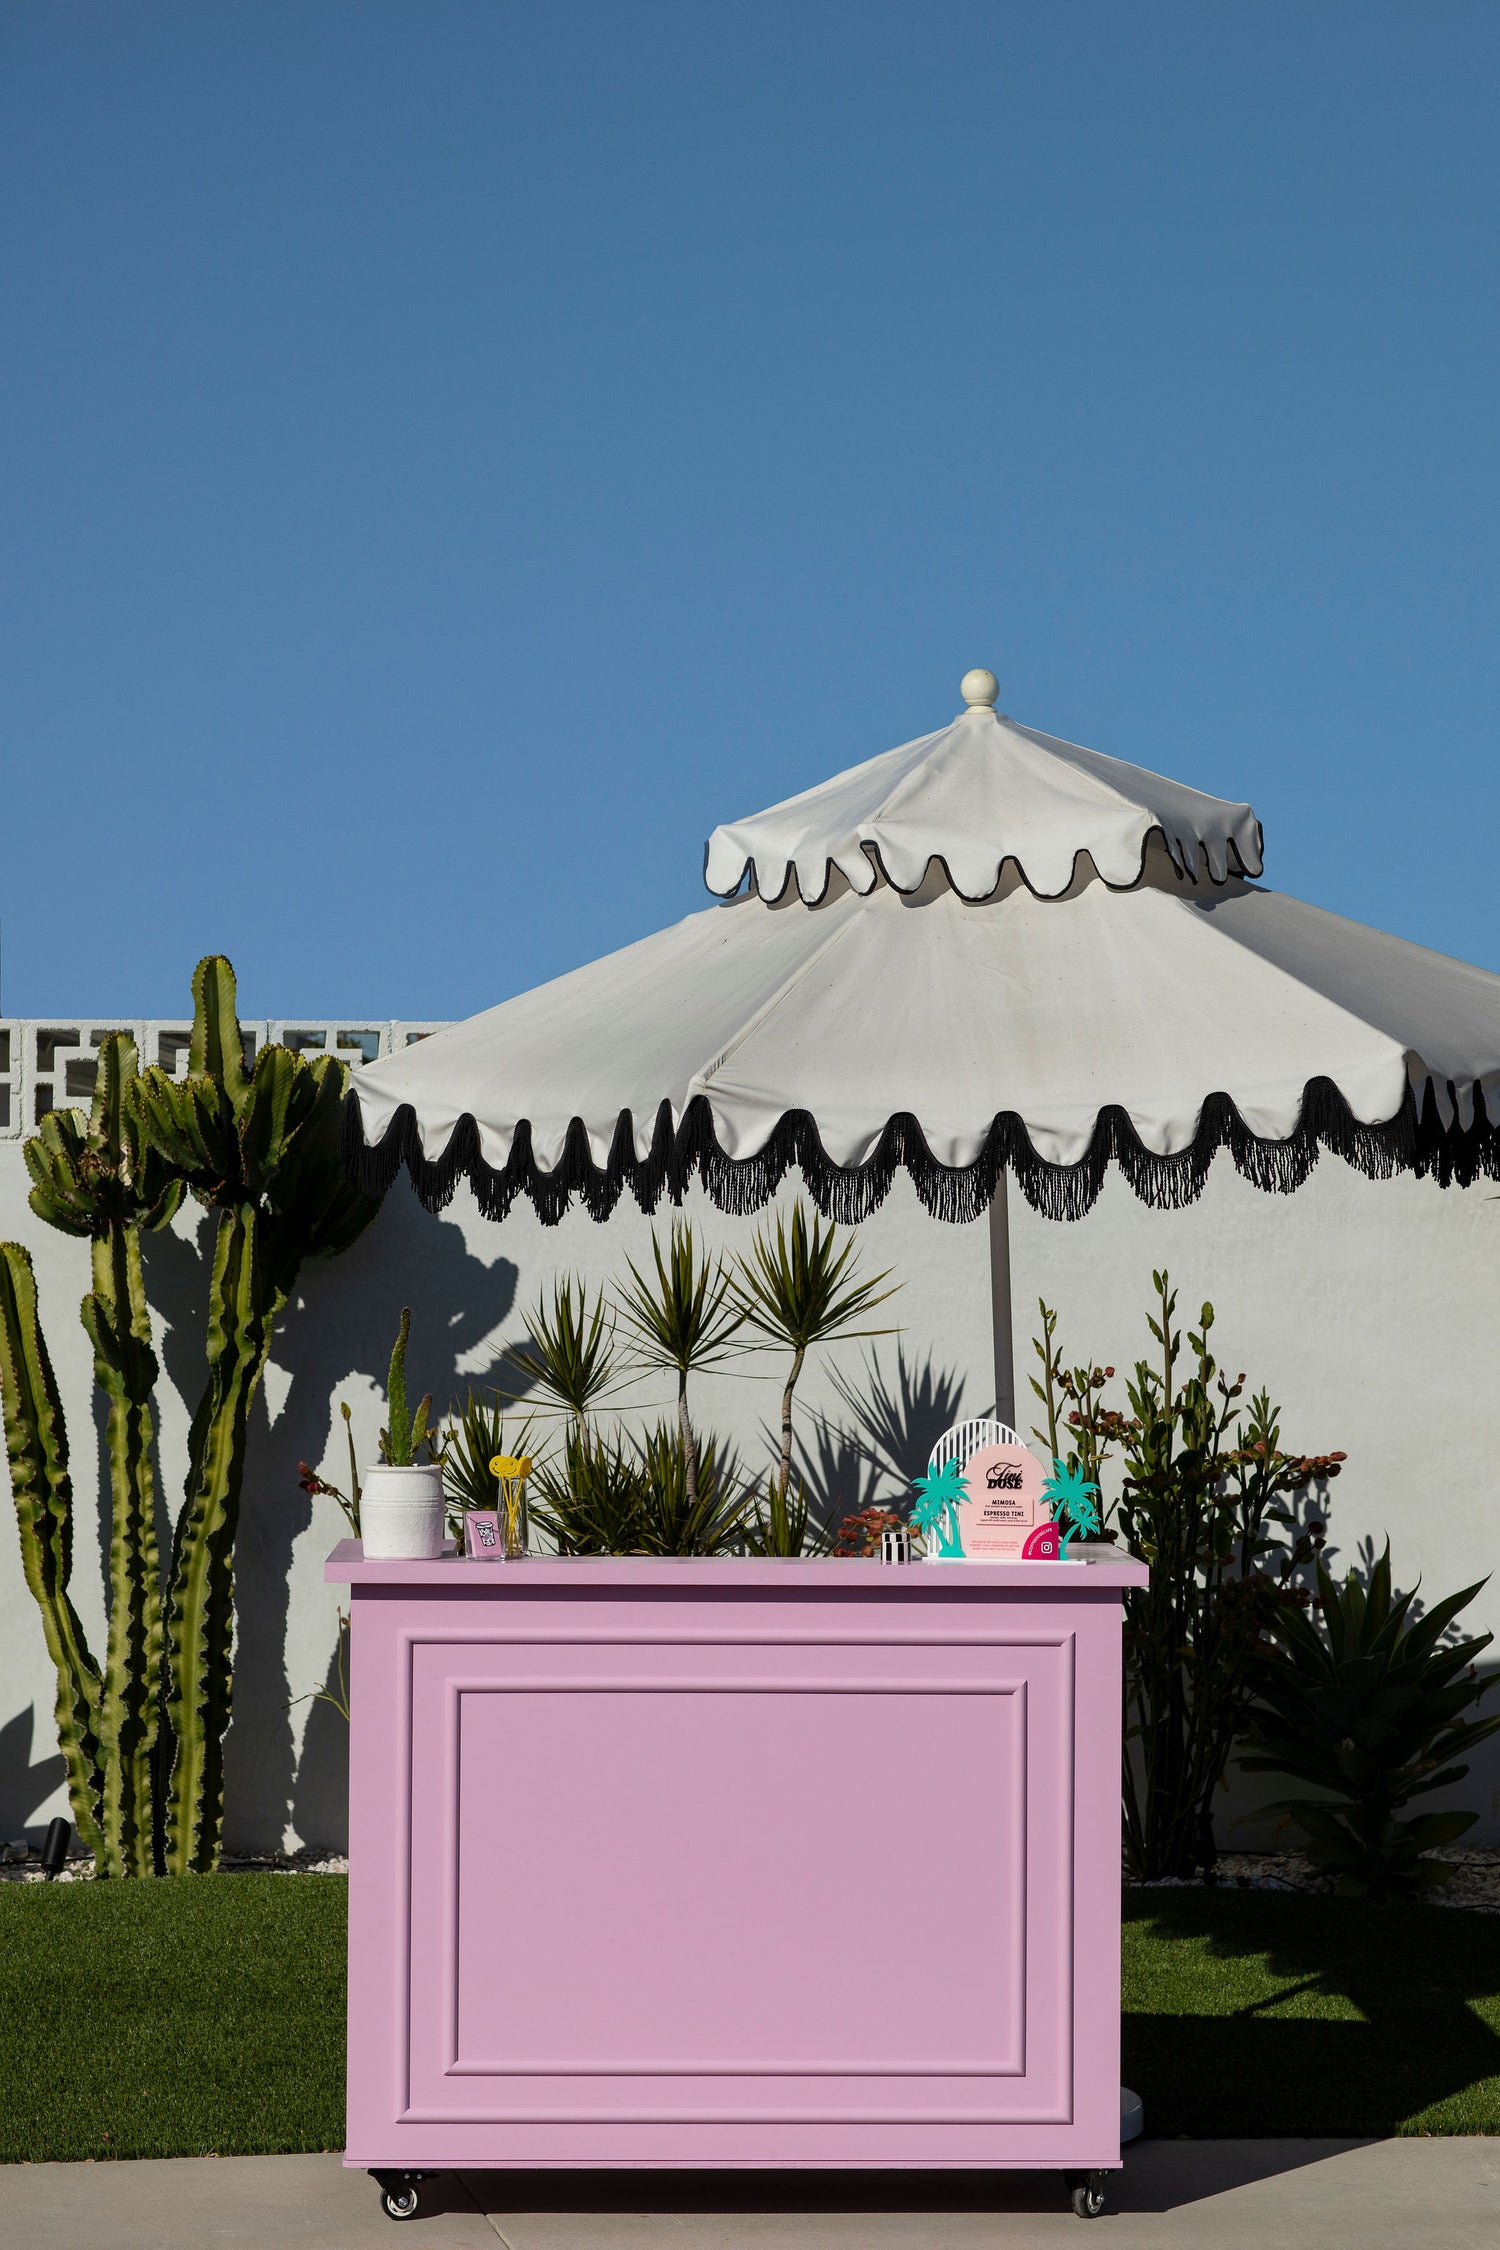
point(868, 1455)
point(334, 1339)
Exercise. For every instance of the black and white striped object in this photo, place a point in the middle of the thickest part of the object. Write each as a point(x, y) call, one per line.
point(895, 1546)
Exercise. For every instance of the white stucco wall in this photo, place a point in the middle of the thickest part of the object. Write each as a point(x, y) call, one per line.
point(1372, 1312)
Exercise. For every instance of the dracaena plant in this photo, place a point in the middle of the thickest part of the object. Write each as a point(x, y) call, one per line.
point(475, 1436)
point(591, 1500)
point(1364, 1704)
point(802, 1289)
point(568, 1361)
point(678, 1518)
point(780, 1522)
point(475, 1440)
point(681, 1318)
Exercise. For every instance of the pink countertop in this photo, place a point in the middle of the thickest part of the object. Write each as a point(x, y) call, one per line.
point(347, 1566)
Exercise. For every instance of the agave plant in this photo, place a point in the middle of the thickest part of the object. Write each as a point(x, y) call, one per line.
point(1368, 1712)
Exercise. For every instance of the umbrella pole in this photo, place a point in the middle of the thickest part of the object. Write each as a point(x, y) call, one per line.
point(1005, 1362)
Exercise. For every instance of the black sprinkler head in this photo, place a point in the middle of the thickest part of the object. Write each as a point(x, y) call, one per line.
point(55, 1849)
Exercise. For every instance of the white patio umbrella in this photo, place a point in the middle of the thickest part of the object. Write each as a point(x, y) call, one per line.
point(985, 954)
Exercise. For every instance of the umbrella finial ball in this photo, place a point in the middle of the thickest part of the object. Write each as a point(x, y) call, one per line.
point(979, 690)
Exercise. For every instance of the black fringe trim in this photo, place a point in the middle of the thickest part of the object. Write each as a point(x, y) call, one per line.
point(1414, 1140)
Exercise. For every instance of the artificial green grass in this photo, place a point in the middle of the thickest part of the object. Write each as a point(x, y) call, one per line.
point(207, 2016)
point(1261, 2012)
point(177, 2018)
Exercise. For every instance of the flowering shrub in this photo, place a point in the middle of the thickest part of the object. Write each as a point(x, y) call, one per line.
point(1204, 1493)
point(858, 1536)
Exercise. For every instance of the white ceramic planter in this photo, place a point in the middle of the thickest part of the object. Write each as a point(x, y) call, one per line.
point(401, 1514)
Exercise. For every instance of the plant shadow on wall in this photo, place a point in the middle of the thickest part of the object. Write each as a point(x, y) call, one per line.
point(334, 1330)
point(892, 1417)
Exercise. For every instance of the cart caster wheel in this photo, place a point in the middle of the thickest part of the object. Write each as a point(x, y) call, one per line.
point(1086, 2193)
point(400, 2192)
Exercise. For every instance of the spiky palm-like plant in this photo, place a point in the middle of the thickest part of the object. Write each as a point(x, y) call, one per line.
point(568, 1360)
point(592, 1500)
point(677, 1519)
point(683, 1320)
point(801, 1291)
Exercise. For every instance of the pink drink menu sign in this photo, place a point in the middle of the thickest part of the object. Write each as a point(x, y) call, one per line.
point(1002, 1507)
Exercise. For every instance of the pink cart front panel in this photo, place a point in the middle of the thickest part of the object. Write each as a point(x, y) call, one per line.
point(734, 1864)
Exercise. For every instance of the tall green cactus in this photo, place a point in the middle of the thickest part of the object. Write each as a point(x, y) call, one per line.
point(261, 1148)
point(144, 1741)
point(36, 1441)
point(119, 1327)
point(96, 1177)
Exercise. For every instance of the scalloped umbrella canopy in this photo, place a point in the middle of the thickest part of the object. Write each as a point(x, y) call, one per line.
point(987, 952)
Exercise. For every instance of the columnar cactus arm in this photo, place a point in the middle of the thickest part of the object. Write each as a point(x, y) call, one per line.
point(36, 1441)
point(119, 1327)
point(398, 1446)
point(217, 1051)
point(200, 1620)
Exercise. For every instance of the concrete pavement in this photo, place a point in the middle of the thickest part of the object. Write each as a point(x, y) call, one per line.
point(1212, 2195)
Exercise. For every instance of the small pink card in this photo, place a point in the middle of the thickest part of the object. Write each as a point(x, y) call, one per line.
point(1002, 1508)
point(482, 1535)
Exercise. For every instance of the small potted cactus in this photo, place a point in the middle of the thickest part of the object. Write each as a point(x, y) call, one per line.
point(401, 1511)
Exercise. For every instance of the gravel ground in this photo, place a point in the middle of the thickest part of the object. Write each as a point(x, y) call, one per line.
point(80, 1868)
point(1474, 1886)
point(1476, 1883)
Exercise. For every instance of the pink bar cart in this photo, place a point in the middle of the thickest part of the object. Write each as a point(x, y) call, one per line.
point(733, 1863)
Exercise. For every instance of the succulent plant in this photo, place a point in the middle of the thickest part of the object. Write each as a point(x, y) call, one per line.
point(143, 1738)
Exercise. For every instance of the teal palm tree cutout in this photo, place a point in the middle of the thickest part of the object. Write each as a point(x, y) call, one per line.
point(1071, 1497)
point(935, 1509)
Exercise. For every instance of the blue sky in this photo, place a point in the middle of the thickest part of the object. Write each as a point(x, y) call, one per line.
point(454, 452)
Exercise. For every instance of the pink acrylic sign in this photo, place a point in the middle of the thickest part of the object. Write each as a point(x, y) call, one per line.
point(482, 1535)
point(1002, 1510)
